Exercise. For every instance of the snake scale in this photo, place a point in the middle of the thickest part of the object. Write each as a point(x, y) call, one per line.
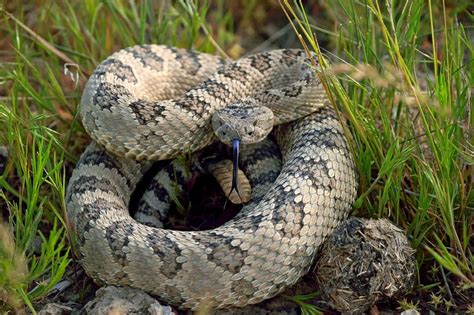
point(153, 102)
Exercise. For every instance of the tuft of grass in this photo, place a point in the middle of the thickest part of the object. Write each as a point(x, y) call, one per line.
point(37, 195)
point(401, 76)
point(405, 305)
point(304, 302)
point(13, 269)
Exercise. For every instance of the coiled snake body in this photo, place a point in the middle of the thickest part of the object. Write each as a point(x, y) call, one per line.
point(154, 102)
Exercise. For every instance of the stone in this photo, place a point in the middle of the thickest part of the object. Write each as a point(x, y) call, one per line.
point(123, 301)
point(55, 309)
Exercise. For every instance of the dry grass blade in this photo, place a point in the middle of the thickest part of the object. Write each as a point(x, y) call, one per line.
point(40, 39)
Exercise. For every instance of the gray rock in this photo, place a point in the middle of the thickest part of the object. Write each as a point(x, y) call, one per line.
point(120, 301)
point(55, 309)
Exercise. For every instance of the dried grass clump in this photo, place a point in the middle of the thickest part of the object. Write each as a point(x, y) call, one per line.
point(362, 262)
point(13, 270)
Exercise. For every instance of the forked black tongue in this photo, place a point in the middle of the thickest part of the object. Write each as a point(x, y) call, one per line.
point(235, 168)
point(235, 163)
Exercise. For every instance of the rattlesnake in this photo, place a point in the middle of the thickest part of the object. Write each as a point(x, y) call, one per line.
point(135, 105)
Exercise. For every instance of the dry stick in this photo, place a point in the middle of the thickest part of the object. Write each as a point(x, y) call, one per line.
point(450, 294)
point(40, 39)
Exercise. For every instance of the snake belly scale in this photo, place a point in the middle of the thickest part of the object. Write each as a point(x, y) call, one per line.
point(266, 248)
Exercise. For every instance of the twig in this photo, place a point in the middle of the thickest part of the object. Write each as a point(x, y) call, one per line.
point(447, 285)
point(40, 39)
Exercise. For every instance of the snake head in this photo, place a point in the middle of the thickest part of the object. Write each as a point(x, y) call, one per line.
point(244, 121)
